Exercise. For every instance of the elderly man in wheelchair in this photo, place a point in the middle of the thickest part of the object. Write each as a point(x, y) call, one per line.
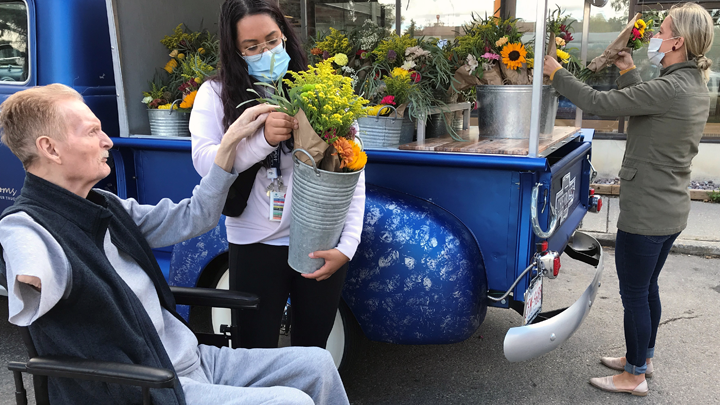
point(82, 279)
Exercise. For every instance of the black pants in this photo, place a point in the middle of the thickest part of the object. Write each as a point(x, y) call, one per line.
point(263, 270)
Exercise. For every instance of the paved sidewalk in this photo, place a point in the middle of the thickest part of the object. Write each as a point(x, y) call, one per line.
point(701, 237)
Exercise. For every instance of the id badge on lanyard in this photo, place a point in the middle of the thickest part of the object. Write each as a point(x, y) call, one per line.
point(276, 190)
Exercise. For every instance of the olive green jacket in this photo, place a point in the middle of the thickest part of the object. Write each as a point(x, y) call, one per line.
point(667, 119)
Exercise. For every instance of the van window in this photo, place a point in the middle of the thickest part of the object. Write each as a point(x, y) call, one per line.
point(13, 42)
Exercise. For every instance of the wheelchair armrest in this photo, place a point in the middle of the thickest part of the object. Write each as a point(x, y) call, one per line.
point(211, 297)
point(94, 370)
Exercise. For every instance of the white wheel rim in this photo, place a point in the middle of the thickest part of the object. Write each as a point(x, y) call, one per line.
point(221, 316)
point(336, 340)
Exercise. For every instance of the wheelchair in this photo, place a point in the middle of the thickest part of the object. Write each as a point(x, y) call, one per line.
point(42, 367)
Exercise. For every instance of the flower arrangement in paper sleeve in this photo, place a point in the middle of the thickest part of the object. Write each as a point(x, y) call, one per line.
point(326, 107)
point(193, 57)
point(559, 28)
point(634, 35)
point(491, 52)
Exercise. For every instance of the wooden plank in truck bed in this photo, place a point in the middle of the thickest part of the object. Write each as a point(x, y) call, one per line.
point(493, 146)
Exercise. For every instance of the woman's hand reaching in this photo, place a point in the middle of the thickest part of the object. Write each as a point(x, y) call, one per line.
point(550, 65)
point(246, 125)
point(624, 61)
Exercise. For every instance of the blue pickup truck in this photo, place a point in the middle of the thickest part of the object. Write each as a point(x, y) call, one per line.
point(446, 234)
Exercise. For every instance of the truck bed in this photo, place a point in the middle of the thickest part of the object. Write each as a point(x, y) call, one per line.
point(494, 146)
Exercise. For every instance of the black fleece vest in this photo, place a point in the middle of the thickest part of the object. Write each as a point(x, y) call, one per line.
point(101, 318)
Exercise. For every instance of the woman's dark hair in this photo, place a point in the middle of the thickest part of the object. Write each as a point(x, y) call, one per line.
point(233, 72)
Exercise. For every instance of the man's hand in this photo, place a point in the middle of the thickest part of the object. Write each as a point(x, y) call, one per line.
point(624, 61)
point(550, 65)
point(334, 259)
point(32, 280)
point(246, 124)
point(279, 127)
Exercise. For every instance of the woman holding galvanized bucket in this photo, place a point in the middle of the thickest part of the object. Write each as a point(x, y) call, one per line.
point(667, 119)
point(252, 32)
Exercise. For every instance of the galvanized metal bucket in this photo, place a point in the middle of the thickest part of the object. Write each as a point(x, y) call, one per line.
point(504, 111)
point(319, 208)
point(407, 131)
point(436, 125)
point(381, 132)
point(169, 122)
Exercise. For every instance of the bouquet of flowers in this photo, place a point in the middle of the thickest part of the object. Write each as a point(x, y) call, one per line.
point(193, 57)
point(635, 34)
point(326, 108)
point(493, 53)
point(558, 28)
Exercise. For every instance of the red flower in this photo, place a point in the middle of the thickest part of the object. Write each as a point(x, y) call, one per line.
point(388, 100)
point(360, 52)
point(415, 76)
point(636, 34)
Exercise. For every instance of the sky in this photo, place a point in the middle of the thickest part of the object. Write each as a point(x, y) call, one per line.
point(457, 12)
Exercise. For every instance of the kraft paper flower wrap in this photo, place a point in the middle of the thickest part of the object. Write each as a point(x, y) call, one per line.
point(610, 55)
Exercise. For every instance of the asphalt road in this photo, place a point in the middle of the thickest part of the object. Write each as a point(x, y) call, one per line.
point(687, 362)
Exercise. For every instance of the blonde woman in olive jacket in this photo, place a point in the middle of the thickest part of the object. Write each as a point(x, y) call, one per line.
point(667, 118)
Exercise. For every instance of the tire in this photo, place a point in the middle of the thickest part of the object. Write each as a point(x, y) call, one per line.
point(343, 342)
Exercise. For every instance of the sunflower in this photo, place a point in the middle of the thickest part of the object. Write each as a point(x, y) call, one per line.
point(640, 25)
point(564, 56)
point(513, 55)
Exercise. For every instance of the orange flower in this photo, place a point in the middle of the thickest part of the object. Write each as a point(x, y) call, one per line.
point(316, 51)
point(345, 150)
point(360, 159)
point(189, 100)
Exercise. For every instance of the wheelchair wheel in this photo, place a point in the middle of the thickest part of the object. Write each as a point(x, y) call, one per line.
point(342, 343)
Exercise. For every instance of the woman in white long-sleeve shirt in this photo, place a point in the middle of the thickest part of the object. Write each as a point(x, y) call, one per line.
point(251, 32)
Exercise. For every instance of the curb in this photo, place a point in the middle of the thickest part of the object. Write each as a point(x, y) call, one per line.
point(614, 190)
point(682, 246)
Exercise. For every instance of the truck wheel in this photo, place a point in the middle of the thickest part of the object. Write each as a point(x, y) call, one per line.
point(344, 339)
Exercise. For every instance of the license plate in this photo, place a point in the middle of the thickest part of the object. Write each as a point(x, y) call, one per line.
point(533, 300)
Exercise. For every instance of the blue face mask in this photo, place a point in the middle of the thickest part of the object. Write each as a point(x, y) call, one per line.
point(259, 66)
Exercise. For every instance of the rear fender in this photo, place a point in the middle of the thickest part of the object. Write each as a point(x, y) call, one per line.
point(418, 276)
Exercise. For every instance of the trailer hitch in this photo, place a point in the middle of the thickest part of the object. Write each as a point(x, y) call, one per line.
point(534, 216)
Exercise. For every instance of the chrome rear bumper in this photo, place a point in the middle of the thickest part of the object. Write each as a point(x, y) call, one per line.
point(527, 342)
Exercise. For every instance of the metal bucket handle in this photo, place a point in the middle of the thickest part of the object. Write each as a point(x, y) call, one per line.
point(377, 114)
point(534, 216)
point(173, 105)
point(297, 161)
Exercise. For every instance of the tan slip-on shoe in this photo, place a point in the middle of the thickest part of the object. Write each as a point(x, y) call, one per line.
point(617, 363)
point(606, 384)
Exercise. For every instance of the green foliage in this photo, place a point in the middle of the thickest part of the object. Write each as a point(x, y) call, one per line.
point(482, 34)
point(335, 43)
point(714, 196)
point(182, 38)
point(396, 44)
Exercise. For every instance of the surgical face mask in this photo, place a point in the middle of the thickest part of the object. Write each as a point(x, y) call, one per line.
point(654, 54)
point(259, 66)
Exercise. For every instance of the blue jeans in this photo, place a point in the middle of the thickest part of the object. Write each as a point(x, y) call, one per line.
point(639, 259)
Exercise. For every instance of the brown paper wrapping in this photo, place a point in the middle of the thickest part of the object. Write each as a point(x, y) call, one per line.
point(400, 110)
point(493, 76)
point(551, 51)
point(463, 80)
point(306, 138)
point(519, 76)
point(610, 55)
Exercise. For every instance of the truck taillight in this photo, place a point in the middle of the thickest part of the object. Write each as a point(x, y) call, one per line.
point(592, 192)
point(595, 204)
point(549, 264)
